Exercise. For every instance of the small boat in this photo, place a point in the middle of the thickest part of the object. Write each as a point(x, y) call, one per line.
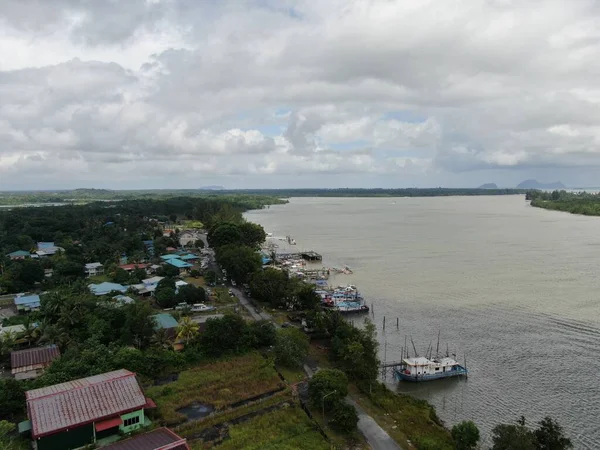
point(425, 369)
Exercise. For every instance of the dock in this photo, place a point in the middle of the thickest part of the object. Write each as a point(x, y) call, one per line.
point(311, 256)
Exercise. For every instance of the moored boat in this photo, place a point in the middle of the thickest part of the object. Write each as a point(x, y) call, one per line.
point(425, 369)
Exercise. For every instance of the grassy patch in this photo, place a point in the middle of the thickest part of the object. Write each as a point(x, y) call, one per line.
point(99, 278)
point(285, 429)
point(404, 417)
point(218, 383)
point(195, 281)
point(191, 224)
point(292, 375)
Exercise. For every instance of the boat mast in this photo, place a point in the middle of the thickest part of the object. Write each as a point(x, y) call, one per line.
point(437, 348)
point(405, 346)
point(414, 348)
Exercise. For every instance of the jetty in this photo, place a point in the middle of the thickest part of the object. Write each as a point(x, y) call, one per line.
point(311, 256)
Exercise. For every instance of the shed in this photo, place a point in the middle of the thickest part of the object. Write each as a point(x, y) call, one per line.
point(165, 321)
point(31, 362)
point(159, 439)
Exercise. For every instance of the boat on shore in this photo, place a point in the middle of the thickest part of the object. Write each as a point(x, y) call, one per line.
point(425, 369)
point(345, 299)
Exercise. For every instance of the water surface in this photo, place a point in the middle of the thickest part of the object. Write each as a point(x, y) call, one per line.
point(515, 288)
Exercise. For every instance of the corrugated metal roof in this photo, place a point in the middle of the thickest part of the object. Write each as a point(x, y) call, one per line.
point(159, 439)
point(65, 405)
point(178, 263)
point(27, 299)
point(34, 356)
point(165, 321)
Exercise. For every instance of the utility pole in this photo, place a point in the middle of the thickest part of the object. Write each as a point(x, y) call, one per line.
point(326, 395)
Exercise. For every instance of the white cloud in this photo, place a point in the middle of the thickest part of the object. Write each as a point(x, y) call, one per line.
point(296, 91)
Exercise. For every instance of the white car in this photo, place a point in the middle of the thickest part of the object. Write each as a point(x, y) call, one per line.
point(182, 306)
point(201, 307)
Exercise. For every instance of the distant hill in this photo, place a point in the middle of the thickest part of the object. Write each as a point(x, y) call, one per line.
point(534, 184)
point(488, 186)
point(212, 188)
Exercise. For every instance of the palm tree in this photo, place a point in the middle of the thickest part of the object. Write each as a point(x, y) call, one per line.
point(161, 339)
point(8, 340)
point(187, 329)
point(31, 331)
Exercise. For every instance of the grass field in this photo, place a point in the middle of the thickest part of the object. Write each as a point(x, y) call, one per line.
point(191, 224)
point(218, 383)
point(284, 429)
point(99, 278)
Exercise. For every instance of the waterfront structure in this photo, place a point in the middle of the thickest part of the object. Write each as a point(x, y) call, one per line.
point(425, 369)
point(31, 362)
point(159, 439)
point(92, 410)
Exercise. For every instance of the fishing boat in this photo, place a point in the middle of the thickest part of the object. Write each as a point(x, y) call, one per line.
point(425, 369)
point(346, 300)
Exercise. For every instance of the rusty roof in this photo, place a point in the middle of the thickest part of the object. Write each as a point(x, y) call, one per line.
point(66, 405)
point(34, 356)
point(159, 439)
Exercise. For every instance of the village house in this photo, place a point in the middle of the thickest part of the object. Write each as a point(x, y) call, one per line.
point(159, 439)
point(93, 410)
point(31, 362)
point(93, 269)
point(106, 288)
point(47, 249)
point(27, 303)
point(19, 254)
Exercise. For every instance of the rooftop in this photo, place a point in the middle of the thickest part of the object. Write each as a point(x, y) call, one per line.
point(18, 253)
point(153, 280)
point(167, 257)
point(32, 358)
point(28, 300)
point(62, 406)
point(189, 257)
point(106, 287)
point(133, 266)
point(165, 321)
point(179, 263)
point(159, 439)
point(94, 265)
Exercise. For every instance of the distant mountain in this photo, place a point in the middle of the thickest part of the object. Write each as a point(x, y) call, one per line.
point(534, 184)
point(212, 188)
point(488, 186)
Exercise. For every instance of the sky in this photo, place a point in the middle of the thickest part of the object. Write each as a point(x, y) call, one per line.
point(298, 93)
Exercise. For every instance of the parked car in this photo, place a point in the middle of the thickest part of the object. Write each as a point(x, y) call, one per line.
point(181, 306)
point(201, 307)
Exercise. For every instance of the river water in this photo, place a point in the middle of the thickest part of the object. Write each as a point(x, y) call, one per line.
point(512, 287)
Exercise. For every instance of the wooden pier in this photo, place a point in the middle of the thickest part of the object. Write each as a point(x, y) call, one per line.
point(311, 256)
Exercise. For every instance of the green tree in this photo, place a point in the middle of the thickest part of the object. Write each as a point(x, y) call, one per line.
point(165, 297)
point(187, 329)
point(190, 294)
point(323, 383)
point(7, 442)
point(291, 347)
point(224, 234)
point(210, 277)
point(252, 235)
point(228, 334)
point(271, 286)
point(353, 349)
point(465, 435)
point(167, 270)
point(550, 436)
point(12, 398)
point(263, 333)
point(137, 275)
point(345, 418)
point(305, 298)
point(120, 276)
point(512, 437)
point(240, 262)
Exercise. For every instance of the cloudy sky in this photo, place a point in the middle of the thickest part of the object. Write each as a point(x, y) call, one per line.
point(298, 93)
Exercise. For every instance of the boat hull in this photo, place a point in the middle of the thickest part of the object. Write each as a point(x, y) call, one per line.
point(458, 372)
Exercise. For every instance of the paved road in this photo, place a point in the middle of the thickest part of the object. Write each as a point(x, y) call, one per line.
point(246, 303)
point(376, 436)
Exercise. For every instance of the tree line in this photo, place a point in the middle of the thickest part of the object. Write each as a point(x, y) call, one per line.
point(584, 203)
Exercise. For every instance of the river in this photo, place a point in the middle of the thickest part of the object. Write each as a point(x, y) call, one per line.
point(512, 287)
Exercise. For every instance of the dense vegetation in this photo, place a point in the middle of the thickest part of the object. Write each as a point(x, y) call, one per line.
point(584, 203)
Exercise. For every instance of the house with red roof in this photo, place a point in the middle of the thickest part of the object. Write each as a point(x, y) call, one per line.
point(31, 362)
point(92, 410)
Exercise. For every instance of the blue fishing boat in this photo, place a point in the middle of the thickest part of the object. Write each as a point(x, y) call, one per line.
point(425, 369)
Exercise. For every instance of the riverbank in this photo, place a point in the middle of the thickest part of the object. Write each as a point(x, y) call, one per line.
point(583, 203)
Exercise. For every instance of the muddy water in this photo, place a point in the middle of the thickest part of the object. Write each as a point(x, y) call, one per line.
point(514, 287)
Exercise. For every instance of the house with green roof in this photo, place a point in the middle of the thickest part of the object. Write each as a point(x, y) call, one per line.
point(19, 254)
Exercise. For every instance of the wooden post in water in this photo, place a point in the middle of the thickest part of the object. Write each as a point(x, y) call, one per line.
point(372, 309)
point(397, 323)
point(383, 323)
